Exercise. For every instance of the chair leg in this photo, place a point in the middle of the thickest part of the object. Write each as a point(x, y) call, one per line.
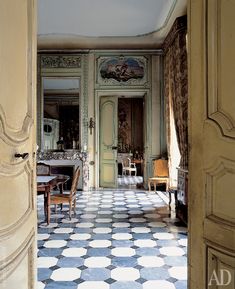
point(149, 185)
point(70, 209)
point(74, 207)
point(45, 206)
point(155, 186)
point(48, 204)
point(169, 191)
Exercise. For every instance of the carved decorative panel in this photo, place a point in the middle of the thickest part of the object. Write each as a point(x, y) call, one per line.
point(16, 86)
point(67, 155)
point(10, 271)
point(109, 173)
point(11, 178)
point(220, 182)
point(108, 111)
point(221, 65)
point(60, 61)
point(122, 70)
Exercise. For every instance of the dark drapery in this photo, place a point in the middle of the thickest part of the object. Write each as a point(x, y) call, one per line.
point(176, 85)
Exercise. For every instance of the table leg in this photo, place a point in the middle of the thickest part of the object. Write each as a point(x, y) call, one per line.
point(47, 191)
point(45, 204)
point(176, 198)
point(169, 191)
point(61, 188)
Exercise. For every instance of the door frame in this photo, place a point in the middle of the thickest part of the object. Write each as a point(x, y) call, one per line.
point(145, 94)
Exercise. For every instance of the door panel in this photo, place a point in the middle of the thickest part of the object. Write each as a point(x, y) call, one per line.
point(108, 141)
point(11, 196)
point(17, 135)
point(221, 85)
point(212, 143)
point(220, 262)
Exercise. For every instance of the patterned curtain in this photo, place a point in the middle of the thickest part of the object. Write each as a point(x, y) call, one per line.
point(172, 143)
point(176, 85)
point(167, 109)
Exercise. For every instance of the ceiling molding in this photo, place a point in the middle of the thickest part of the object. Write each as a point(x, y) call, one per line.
point(150, 40)
point(79, 42)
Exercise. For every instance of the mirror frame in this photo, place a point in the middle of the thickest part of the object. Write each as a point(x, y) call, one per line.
point(43, 105)
point(63, 66)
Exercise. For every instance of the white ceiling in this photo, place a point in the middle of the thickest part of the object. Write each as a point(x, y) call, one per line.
point(85, 20)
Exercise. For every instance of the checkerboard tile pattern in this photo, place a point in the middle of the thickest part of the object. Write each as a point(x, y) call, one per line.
point(129, 180)
point(118, 240)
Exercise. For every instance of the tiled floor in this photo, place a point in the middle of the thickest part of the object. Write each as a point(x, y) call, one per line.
point(118, 240)
point(127, 180)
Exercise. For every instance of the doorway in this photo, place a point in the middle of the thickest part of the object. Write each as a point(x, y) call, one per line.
point(121, 136)
point(130, 141)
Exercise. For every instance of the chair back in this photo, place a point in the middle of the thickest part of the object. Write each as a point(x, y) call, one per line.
point(75, 182)
point(125, 163)
point(129, 162)
point(161, 168)
point(43, 169)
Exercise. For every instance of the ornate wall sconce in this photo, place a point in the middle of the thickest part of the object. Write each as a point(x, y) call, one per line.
point(91, 124)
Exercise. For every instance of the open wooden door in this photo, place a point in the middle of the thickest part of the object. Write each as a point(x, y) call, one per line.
point(212, 144)
point(108, 141)
point(17, 144)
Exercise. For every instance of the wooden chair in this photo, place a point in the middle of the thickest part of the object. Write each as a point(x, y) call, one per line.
point(67, 198)
point(128, 166)
point(160, 175)
point(43, 169)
